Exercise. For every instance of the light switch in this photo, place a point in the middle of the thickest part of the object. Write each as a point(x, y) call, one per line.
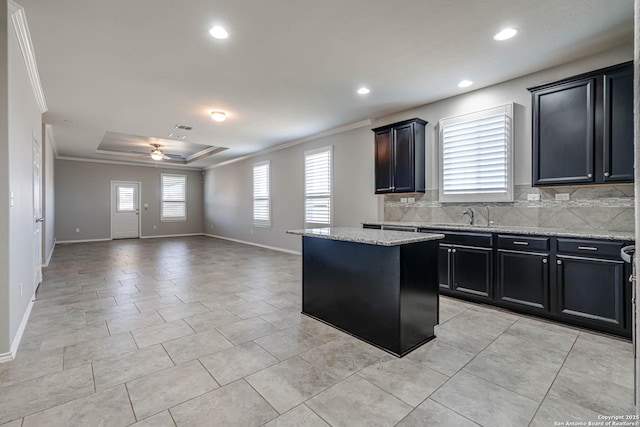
point(411, 199)
point(563, 196)
point(146, 205)
point(403, 200)
point(533, 197)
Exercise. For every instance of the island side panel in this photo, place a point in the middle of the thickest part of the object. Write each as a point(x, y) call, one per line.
point(355, 287)
point(419, 293)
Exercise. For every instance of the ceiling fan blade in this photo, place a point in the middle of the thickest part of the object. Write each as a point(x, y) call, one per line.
point(173, 156)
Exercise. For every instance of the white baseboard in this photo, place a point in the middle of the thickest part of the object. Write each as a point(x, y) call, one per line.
point(16, 340)
point(64, 242)
point(172, 235)
point(46, 264)
point(273, 248)
point(6, 357)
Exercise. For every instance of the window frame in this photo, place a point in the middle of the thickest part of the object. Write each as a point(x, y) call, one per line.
point(162, 201)
point(506, 196)
point(133, 201)
point(329, 149)
point(261, 222)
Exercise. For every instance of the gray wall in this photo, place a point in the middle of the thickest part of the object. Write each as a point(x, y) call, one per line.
point(48, 197)
point(228, 191)
point(25, 125)
point(5, 337)
point(83, 197)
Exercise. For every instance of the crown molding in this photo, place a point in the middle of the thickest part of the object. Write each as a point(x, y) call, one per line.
point(309, 138)
point(123, 163)
point(51, 137)
point(19, 20)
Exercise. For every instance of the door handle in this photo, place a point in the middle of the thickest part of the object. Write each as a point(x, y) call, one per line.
point(39, 219)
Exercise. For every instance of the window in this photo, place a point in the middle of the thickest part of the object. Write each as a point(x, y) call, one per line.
point(317, 187)
point(124, 199)
point(261, 195)
point(476, 156)
point(174, 197)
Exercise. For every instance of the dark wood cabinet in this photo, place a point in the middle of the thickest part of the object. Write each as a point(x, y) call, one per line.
point(399, 157)
point(583, 129)
point(523, 279)
point(618, 129)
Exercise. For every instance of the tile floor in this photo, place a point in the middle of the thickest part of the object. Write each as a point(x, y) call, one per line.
point(203, 332)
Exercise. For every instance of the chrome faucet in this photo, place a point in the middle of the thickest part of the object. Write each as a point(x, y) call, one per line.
point(470, 213)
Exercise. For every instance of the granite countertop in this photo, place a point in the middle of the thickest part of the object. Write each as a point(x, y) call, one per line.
point(511, 229)
point(367, 236)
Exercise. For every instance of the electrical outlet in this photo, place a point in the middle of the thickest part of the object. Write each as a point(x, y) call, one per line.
point(154, 227)
point(12, 200)
point(563, 196)
point(403, 200)
point(533, 197)
point(411, 200)
point(77, 230)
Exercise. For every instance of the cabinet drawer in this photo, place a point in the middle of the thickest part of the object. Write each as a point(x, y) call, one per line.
point(462, 238)
point(593, 248)
point(372, 226)
point(506, 241)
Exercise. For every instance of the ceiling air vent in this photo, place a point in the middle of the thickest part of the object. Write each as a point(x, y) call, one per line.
point(183, 127)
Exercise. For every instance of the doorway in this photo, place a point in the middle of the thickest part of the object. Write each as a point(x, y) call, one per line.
point(37, 214)
point(125, 212)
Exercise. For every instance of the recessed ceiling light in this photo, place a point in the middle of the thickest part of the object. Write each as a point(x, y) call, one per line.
point(363, 91)
point(183, 127)
point(218, 32)
point(465, 83)
point(218, 116)
point(505, 34)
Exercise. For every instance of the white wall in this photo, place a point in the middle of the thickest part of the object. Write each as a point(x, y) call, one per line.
point(25, 125)
point(228, 191)
point(228, 188)
point(5, 338)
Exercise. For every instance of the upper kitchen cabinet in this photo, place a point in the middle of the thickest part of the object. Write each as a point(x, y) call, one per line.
point(399, 157)
point(583, 128)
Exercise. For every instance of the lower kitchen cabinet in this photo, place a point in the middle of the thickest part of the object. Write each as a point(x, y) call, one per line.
point(523, 280)
point(591, 291)
point(471, 271)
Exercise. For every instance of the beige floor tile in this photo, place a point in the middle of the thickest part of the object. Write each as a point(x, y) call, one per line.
point(164, 389)
point(431, 413)
point(41, 393)
point(163, 419)
point(246, 330)
point(290, 383)
point(94, 350)
point(181, 311)
point(152, 335)
point(108, 408)
point(194, 346)
point(300, 416)
point(408, 381)
point(355, 402)
point(32, 366)
point(134, 321)
point(210, 320)
point(441, 357)
point(237, 362)
point(236, 404)
point(126, 367)
point(288, 343)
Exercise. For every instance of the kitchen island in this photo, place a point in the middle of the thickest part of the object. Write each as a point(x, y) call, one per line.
point(377, 285)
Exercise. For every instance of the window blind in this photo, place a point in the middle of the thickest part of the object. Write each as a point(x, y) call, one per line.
point(124, 198)
point(261, 194)
point(317, 186)
point(476, 156)
point(174, 197)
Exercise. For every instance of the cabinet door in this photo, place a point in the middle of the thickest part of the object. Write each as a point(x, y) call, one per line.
point(444, 267)
point(591, 290)
point(618, 127)
point(472, 270)
point(523, 279)
point(403, 159)
point(563, 134)
point(384, 162)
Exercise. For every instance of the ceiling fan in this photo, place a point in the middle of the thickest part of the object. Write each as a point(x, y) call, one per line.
point(158, 154)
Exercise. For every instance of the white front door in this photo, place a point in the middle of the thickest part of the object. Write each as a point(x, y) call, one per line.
point(37, 214)
point(124, 210)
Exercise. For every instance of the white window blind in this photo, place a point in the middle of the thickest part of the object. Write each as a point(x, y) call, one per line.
point(124, 198)
point(476, 156)
point(317, 187)
point(174, 197)
point(261, 195)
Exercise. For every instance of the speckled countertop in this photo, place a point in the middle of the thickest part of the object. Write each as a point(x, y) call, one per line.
point(510, 229)
point(367, 236)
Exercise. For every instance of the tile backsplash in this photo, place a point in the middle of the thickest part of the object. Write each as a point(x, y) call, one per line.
point(609, 208)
